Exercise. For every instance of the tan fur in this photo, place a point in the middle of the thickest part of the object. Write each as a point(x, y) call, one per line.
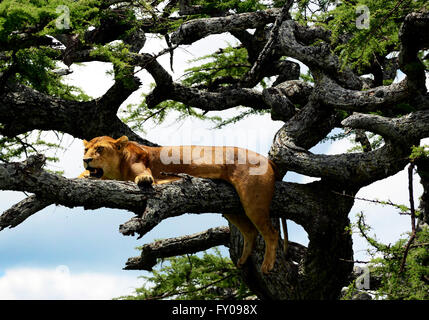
point(125, 160)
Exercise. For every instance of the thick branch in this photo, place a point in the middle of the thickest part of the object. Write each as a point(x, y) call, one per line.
point(23, 109)
point(191, 195)
point(414, 37)
point(178, 246)
point(21, 211)
point(191, 244)
point(423, 172)
point(24, 40)
point(209, 101)
point(332, 94)
point(316, 57)
point(284, 97)
point(91, 194)
point(348, 169)
point(304, 130)
point(252, 77)
point(406, 129)
point(289, 150)
point(194, 30)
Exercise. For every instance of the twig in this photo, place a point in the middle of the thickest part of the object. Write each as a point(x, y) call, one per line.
point(413, 216)
point(389, 203)
point(167, 40)
point(252, 76)
point(184, 176)
point(156, 56)
point(354, 261)
point(361, 223)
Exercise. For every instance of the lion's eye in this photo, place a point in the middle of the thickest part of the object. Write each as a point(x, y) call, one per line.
point(86, 150)
point(99, 149)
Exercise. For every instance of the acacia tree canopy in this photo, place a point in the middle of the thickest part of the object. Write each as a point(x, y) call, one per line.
point(329, 37)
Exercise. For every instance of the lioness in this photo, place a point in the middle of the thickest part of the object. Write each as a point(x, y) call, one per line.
point(252, 175)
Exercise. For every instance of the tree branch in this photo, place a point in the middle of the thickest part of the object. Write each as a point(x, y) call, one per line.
point(379, 98)
point(413, 216)
point(252, 77)
point(24, 109)
point(21, 211)
point(197, 29)
point(414, 37)
point(191, 244)
point(192, 195)
point(178, 246)
point(352, 168)
point(407, 129)
point(222, 99)
point(283, 97)
point(316, 57)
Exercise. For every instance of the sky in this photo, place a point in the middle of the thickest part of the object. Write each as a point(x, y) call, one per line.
point(63, 253)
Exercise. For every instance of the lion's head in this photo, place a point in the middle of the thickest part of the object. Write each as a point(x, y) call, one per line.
point(103, 155)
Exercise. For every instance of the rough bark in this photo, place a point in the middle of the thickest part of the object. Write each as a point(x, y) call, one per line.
point(423, 172)
point(177, 246)
point(197, 29)
point(23, 109)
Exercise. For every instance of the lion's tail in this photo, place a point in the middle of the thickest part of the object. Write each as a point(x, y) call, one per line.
point(279, 177)
point(285, 235)
point(277, 173)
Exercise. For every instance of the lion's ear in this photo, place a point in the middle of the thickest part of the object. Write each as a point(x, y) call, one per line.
point(121, 142)
point(85, 142)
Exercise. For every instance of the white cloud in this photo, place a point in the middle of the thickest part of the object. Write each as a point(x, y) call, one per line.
point(61, 284)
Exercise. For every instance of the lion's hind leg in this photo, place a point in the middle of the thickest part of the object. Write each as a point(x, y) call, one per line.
point(256, 193)
point(260, 217)
point(249, 233)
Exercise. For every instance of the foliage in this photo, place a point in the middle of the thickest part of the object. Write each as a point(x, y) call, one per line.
point(237, 6)
point(357, 47)
point(419, 152)
point(410, 284)
point(24, 145)
point(307, 77)
point(32, 20)
point(413, 282)
point(136, 116)
point(191, 277)
point(228, 63)
point(375, 141)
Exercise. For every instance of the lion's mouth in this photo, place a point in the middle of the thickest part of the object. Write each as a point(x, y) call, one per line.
point(95, 172)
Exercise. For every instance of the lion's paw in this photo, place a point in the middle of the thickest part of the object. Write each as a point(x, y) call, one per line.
point(144, 180)
point(84, 174)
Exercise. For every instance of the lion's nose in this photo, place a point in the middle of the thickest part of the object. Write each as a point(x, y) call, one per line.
point(87, 160)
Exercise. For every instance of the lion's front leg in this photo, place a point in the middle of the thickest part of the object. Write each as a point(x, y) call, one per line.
point(143, 176)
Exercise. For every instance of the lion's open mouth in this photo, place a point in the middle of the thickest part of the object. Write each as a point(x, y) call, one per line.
point(95, 172)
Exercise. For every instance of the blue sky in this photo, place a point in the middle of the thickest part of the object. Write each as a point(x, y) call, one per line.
point(88, 245)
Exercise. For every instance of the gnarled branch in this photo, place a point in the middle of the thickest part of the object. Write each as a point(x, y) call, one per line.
point(178, 246)
point(24, 109)
point(194, 30)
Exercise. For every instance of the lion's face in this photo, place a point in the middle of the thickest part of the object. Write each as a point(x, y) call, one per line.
point(102, 157)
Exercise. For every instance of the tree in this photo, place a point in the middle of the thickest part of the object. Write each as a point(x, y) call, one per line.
point(331, 38)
